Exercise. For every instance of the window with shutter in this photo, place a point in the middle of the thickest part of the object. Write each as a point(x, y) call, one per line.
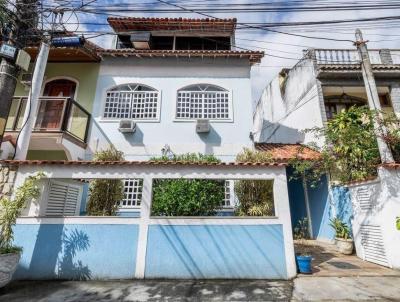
point(63, 199)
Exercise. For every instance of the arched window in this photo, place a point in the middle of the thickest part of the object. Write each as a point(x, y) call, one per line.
point(203, 101)
point(336, 103)
point(60, 88)
point(132, 101)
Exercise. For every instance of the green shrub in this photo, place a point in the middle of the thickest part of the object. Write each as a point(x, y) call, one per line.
point(301, 230)
point(253, 156)
point(255, 197)
point(104, 194)
point(341, 228)
point(10, 210)
point(189, 157)
point(186, 197)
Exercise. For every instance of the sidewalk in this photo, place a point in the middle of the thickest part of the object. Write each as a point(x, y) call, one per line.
point(347, 289)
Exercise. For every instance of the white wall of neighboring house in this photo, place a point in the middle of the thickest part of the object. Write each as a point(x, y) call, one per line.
point(376, 205)
point(289, 106)
point(168, 75)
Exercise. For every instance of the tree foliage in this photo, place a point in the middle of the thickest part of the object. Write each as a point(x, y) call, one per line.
point(186, 197)
point(10, 210)
point(104, 194)
point(350, 152)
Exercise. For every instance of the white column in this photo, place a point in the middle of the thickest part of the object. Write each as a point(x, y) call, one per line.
point(283, 212)
point(145, 212)
point(32, 103)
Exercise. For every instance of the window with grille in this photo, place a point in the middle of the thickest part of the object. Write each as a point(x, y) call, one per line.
point(203, 102)
point(132, 101)
point(228, 198)
point(132, 193)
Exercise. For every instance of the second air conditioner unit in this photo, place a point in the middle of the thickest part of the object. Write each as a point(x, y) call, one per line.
point(127, 126)
point(203, 126)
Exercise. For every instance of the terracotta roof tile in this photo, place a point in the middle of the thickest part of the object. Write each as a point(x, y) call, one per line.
point(346, 67)
point(252, 56)
point(285, 152)
point(165, 24)
point(391, 165)
point(11, 139)
point(131, 163)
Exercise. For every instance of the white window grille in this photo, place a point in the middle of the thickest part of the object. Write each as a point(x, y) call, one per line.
point(203, 102)
point(228, 198)
point(63, 199)
point(132, 193)
point(132, 101)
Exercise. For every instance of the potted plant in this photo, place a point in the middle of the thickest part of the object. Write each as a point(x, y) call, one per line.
point(343, 242)
point(10, 210)
point(303, 254)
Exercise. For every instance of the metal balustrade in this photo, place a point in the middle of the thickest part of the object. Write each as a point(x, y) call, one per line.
point(351, 56)
point(55, 114)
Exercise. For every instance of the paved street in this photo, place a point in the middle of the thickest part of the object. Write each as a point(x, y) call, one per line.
point(335, 277)
point(302, 289)
point(212, 290)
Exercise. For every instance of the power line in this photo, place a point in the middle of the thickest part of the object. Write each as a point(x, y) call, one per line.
point(252, 26)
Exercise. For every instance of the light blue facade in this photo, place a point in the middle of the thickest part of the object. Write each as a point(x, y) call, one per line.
point(216, 251)
point(76, 251)
point(325, 203)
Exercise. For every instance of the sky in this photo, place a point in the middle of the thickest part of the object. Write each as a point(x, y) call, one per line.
point(380, 34)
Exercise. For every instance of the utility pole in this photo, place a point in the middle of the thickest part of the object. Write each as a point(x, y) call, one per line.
point(31, 110)
point(373, 97)
point(25, 22)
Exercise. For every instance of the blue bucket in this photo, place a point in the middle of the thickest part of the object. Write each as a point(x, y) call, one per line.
point(304, 264)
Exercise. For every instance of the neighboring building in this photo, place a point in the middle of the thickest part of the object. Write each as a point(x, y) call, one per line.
point(324, 82)
point(63, 120)
point(165, 75)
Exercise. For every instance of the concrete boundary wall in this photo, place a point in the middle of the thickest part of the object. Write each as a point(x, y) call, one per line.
point(376, 204)
point(159, 247)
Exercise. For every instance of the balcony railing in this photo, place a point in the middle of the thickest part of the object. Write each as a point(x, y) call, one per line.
point(55, 114)
point(351, 56)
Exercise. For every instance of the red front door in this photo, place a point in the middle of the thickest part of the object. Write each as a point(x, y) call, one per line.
point(51, 109)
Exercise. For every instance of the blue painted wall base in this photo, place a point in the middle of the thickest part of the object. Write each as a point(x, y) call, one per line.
point(76, 252)
point(216, 251)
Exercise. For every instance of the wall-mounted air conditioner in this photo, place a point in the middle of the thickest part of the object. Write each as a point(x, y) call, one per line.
point(203, 126)
point(127, 126)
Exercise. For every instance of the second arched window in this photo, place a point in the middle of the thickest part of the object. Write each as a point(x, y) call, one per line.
point(203, 101)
